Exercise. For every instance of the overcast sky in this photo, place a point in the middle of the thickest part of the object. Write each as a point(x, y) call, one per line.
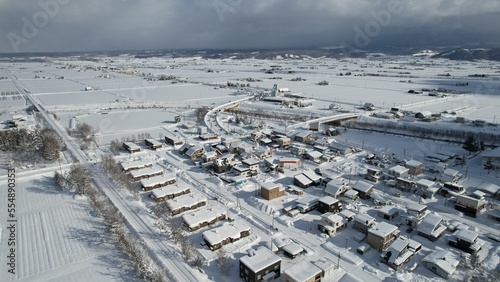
point(96, 25)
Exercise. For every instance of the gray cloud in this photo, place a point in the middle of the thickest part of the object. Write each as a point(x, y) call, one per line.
point(77, 25)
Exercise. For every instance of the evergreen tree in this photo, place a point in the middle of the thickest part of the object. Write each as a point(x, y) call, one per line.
point(471, 144)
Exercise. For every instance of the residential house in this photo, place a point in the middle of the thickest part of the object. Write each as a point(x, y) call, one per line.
point(490, 189)
point(363, 222)
point(382, 234)
point(380, 200)
point(449, 175)
point(195, 152)
point(210, 156)
point(131, 147)
point(349, 196)
point(153, 144)
point(373, 174)
point(225, 234)
point(133, 165)
point(363, 188)
point(223, 163)
point(416, 210)
point(400, 252)
point(331, 223)
point(284, 141)
point(340, 149)
point(252, 164)
point(185, 147)
point(316, 179)
point(260, 265)
point(173, 140)
point(304, 137)
point(314, 156)
point(158, 181)
point(398, 171)
point(426, 188)
point(303, 271)
point(414, 167)
point(169, 192)
point(298, 149)
point(470, 205)
point(336, 187)
point(442, 262)
point(405, 185)
point(208, 136)
point(242, 170)
point(302, 181)
point(431, 227)
point(270, 191)
point(146, 172)
point(307, 203)
point(388, 212)
point(185, 202)
point(203, 217)
point(329, 204)
point(347, 214)
point(466, 240)
point(289, 163)
point(328, 268)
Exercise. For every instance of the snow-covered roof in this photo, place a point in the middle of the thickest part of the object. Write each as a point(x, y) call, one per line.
point(363, 218)
point(389, 210)
point(132, 145)
point(307, 200)
point(416, 207)
point(302, 271)
point(430, 224)
point(495, 153)
point(195, 218)
point(312, 175)
point(146, 171)
point(400, 250)
point(230, 230)
point(303, 134)
point(293, 249)
point(324, 264)
point(398, 169)
point(350, 193)
point(269, 185)
point(261, 258)
point(328, 200)
point(303, 179)
point(347, 214)
point(135, 164)
point(467, 235)
point(489, 188)
point(185, 201)
point(154, 142)
point(413, 163)
point(425, 183)
point(169, 190)
point(444, 259)
point(314, 154)
point(289, 160)
point(160, 179)
point(332, 217)
point(362, 186)
point(250, 162)
point(382, 229)
point(451, 172)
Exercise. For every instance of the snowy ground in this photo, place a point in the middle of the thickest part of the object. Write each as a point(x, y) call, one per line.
point(58, 238)
point(68, 240)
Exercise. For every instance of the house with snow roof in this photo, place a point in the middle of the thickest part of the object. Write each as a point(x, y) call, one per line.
point(382, 234)
point(400, 252)
point(304, 271)
point(363, 222)
point(363, 188)
point(336, 187)
point(225, 234)
point(466, 240)
point(442, 262)
point(260, 265)
point(431, 227)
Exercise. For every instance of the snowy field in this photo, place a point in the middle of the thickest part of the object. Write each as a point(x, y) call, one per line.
point(59, 238)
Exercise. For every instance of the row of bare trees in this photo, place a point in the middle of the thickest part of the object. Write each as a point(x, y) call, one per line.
point(117, 174)
point(78, 178)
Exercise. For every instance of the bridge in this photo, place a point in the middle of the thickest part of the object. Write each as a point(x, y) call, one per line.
point(333, 120)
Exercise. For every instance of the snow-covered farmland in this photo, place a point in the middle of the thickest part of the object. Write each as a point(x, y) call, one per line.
point(58, 238)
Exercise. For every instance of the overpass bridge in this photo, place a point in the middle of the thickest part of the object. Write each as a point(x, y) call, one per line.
point(329, 120)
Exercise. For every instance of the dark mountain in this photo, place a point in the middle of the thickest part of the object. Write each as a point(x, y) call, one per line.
point(470, 54)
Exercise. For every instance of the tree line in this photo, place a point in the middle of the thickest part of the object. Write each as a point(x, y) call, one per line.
point(45, 142)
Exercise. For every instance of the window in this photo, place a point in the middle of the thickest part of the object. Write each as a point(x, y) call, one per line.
point(259, 277)
point(276, 267)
